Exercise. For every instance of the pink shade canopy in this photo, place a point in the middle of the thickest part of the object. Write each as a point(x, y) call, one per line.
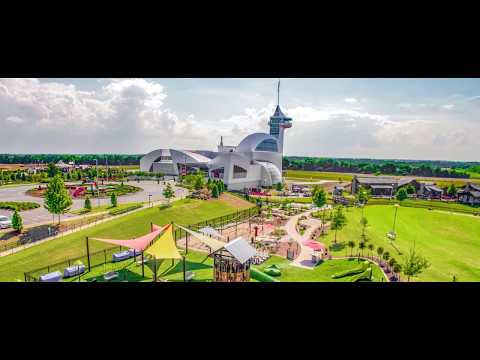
point(141, 242)
point(314, 245)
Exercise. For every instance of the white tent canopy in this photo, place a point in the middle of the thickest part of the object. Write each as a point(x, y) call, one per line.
point(240, 250)
point(208, 230)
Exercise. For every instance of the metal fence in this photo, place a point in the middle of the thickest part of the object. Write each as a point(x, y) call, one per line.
point(104, 257)
point(42, 232)
point(97, 258)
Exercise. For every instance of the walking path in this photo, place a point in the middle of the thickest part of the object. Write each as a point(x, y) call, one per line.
point(304, 259)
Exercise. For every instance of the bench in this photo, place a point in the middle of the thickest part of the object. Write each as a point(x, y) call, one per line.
point(189, 275)
point(51, 277)
point(73, 270)
point(121, 256)
point(110, 275)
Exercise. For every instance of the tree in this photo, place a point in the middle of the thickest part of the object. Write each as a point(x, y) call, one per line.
point(351, 244)
point(215, 192)
point(168, 193)
point(361, 246)
point(279, 186)
point(319, 197)
point(364, 223)
point(57, 198)
point(370, 248)
point(52, 170)
point(397, 268)
point(386, 256)
point(380, 251)
point(452, 190)
point(410, 189)
point(339, 220)
point(414, 264)
point(88, 204)
point(17, 222)
point(362, 195)
point(402, 194)
point(113, 199)
point(199, 183)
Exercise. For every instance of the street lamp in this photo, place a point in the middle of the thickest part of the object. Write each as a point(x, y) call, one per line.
point(392, 235)
point(149, 199)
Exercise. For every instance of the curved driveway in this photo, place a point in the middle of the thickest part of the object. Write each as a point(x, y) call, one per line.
point(41, 214)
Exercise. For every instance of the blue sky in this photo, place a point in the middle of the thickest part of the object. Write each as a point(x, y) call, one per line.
point(378, 118)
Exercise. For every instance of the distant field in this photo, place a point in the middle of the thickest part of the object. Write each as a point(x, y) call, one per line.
point(318, 175)
point(324, 175)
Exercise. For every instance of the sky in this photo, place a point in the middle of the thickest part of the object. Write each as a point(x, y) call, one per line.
point(437, 119)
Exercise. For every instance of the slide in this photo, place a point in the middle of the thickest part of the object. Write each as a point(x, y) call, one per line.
point(78, 191)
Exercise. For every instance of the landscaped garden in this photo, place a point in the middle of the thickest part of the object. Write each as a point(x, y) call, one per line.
point(449, 241)
point(81, 191)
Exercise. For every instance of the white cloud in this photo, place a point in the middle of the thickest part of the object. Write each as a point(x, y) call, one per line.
point(351, 100)
point(448, 106)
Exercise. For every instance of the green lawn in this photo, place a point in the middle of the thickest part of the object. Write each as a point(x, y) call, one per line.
point(187, 211)
point(282, 199)
point(429, 204)
point(449, 241)
point(321, 273)
point(103, 208)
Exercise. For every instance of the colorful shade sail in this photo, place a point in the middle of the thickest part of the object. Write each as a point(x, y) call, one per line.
point(212, 243)
point(140, 243)
point(164, 247)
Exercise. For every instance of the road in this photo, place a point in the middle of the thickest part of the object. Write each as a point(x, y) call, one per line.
point(41, 214)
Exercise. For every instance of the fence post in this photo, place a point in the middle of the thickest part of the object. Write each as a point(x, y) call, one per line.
point(88, 253)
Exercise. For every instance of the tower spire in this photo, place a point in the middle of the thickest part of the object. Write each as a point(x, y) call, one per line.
point(278, 93)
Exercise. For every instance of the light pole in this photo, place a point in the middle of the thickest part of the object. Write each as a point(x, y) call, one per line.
point(391, 234)
point(98, 190)
point(149, 199)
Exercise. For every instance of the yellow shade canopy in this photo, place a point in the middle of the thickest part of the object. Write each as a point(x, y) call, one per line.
point(164, 247)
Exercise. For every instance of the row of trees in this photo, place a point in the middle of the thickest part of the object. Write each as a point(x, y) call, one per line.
point(103, 159)
point(374, 166)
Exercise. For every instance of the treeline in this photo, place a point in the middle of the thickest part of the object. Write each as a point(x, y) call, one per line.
point(80, 159)
point(424, 168)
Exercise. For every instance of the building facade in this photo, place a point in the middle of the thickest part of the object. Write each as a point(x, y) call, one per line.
point(254, 163)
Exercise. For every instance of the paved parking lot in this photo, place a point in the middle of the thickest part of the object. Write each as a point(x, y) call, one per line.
point(41, 214)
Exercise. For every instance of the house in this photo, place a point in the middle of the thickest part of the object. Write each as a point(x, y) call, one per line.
point(380, 186)
point(429, 191)
point(470, 194)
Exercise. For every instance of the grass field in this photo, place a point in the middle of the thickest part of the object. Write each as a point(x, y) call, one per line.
point(449, 241)
point(429, 204)
point(279, 199)
point(187, 211)
point(321, 273)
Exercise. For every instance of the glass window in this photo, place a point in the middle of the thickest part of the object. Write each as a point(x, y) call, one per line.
point(267, 145)
point(239, 172)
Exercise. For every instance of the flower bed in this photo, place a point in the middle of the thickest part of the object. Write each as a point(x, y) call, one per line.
point(20, 206)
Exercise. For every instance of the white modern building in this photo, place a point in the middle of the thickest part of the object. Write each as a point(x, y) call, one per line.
point(255, 162)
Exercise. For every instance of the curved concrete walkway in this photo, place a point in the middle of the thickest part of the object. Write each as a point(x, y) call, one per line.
point(304, 259)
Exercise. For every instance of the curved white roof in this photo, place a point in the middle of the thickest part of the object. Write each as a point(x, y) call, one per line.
point(251, 141)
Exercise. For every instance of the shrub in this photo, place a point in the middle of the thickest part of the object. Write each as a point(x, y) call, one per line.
point(354, 271)
point(20, 206)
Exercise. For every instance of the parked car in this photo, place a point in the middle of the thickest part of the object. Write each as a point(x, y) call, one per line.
point(5, 222)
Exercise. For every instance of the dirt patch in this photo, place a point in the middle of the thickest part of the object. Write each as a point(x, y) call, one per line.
point(12, 167)
point(235, 201)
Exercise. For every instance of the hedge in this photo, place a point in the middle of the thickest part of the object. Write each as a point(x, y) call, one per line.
point(20, 206)
point(366, 275)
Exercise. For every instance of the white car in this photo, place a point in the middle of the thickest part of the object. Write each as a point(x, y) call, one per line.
point(5, 222)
